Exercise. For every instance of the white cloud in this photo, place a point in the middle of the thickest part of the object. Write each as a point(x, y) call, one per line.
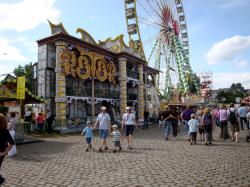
point(31, 46)
point(242, 63)
point(228, 49)
point(27, 14)
point(92, 17)
point(7, 68)
point(9, 52)
point(225, 80)
point(234, 3)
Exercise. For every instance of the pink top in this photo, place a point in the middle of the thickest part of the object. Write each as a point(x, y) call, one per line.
point(216, 113)
point(223, 115)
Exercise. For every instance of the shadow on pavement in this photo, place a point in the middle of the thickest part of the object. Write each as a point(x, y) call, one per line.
point(41, 151)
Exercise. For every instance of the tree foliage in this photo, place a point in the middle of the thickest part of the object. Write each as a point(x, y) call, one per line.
point(27, 71)
point(229, 96)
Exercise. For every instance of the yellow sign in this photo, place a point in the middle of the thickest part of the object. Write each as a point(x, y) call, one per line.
point(20, 94)
point(88, 65)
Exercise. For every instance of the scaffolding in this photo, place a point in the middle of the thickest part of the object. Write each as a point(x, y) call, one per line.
point(206, 84)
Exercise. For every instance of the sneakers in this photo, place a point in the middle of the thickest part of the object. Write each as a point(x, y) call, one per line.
point(120, 148)
point(166, 139)
point(1, 180)
point(130, 147)
point(100, 150)
point(87, 149)
point(90, 146)
point(248, 137)
point(106, 148)
point(114, 151)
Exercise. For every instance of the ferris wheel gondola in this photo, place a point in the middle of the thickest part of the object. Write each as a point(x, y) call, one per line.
point(169, 49)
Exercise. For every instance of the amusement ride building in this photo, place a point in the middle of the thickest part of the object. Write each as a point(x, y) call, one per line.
point(78, 76)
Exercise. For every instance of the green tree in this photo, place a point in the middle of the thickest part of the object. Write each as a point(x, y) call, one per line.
point(27, 71)
point(229, 96)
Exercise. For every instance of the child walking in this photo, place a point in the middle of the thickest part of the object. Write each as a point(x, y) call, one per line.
point(117, 139)
point(88, 135)
point(193, 128)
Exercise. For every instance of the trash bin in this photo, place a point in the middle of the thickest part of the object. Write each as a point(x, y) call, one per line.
point(27, 127)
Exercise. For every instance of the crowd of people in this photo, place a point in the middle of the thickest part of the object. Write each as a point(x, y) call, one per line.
point(38, 121)
point(203, 120)
point(194, 120)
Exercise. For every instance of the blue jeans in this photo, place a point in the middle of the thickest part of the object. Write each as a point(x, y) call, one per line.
point(242, 121)
point(167, 128)
point(145, 125)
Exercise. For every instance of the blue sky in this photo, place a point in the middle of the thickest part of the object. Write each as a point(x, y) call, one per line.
point(219, 31)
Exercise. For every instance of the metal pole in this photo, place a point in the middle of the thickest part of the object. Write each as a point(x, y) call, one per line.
point(93, 100)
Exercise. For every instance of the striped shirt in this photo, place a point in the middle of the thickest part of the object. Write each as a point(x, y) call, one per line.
point(116, 135)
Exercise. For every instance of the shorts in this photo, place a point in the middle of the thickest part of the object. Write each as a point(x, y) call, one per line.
point(103, 133)
point(88, 140)
point(129, 129)
point(117, 143)
point(235, 128)
point(201, 130)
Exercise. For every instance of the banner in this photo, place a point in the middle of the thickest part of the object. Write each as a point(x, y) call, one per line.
point(20, 94)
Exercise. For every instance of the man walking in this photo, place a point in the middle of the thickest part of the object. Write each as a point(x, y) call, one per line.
point(223, 115)
point(165, 117)
point(186, 116)
point(243, 116)
point(103, 120)
point(146, 118)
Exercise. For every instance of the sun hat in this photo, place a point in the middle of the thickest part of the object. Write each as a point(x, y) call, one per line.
point(103, 108)
point(114, 126)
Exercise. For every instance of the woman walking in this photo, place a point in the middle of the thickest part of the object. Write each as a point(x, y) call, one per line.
point(11, 127)
point(6, 142)
point(129, 121)
point(207, 121)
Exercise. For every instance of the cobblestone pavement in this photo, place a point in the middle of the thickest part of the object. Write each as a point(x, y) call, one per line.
point(62, 161)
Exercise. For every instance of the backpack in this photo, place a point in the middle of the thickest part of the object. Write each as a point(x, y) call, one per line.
point(232, 116)
point(207, 119)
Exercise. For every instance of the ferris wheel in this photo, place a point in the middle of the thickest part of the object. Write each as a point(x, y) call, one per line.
point(157, 30)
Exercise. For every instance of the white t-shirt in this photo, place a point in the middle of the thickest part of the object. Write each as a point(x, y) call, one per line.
point(103, 120)
point(129, 118)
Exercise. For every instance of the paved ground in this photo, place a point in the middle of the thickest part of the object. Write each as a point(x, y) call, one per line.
point(62, 161)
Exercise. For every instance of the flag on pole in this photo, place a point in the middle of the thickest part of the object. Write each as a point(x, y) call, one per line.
point(20, 94)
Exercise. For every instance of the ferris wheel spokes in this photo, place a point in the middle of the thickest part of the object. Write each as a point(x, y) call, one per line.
point(169, 50)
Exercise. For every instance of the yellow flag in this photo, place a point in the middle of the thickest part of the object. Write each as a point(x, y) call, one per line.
point(20, 93)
